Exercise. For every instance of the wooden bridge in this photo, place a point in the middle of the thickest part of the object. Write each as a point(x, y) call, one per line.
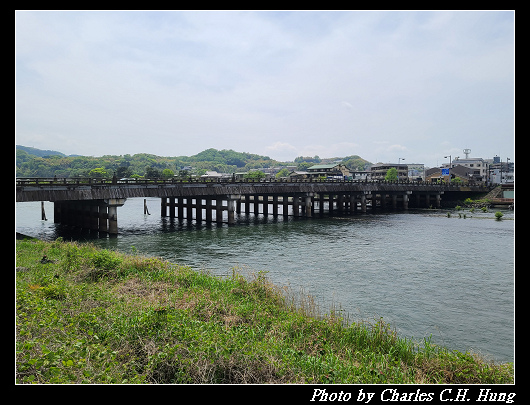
point(92, 203)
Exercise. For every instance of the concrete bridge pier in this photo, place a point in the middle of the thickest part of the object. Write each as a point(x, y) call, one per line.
point(363, 202)
point(113, 204)
point(308, 205)
point(394, 201)
point(406, 200)
point(94, 215)
point(231, 206)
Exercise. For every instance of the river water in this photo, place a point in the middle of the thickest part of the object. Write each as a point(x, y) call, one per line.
point(424, 273)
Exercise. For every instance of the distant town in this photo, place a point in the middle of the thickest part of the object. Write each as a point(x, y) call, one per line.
point(225, 164)
point(465, 170)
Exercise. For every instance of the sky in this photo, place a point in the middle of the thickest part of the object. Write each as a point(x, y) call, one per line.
point(384, 85)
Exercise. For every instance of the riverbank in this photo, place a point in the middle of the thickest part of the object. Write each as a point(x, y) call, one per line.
point(87, 315)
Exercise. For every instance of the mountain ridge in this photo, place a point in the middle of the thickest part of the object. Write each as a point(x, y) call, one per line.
point(34, 162)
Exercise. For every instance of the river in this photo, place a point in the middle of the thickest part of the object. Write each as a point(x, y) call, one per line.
point(424, 273)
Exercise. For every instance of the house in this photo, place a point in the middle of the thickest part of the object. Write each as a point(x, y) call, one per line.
point(331, 170)
point(435, 174)
point(215, 176)
point(479, 168)
point(299, 175)
point(360, 175)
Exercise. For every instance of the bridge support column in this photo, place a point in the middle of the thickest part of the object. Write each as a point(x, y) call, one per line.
point(113, 220)
point(57, 212)
point(308, 206)
point(231, 209)
point(265, 205)
point(163, 207)
point(285, 205)
point(113, 204)
point(353, 204)
point(218, 210)
point(331, 197)
point(180, 208)
point(363, 203)
point(394, 201)
point(340, 203)
point(209, 209)
point(438, 199)
point(102, 208)
point(198, 209)
point(94, 217)
point(296, 206)
point(231, 206)
point(275, 205)
point(406, 200)
point(189, 208)
point(172, 207)
point(247, 205)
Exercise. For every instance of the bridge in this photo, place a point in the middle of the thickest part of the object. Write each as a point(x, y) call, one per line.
point(92, 203)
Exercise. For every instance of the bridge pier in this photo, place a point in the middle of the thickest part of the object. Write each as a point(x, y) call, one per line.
point(93, 215)
point(92, 204)
point(406, 200)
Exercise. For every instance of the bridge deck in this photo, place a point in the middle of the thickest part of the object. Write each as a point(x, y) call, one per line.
point(92, 203)
point(98, 189)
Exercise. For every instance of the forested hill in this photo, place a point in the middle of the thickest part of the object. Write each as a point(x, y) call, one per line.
point(32, 162)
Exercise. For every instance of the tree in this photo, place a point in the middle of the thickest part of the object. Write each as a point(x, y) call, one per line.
point(391, 174)
point(255, 175)
point(123, 171)
point(98, 172)
point(152, 173)
point(167, 173)
point(282, 173)
point(303, 166)
point(183, 174)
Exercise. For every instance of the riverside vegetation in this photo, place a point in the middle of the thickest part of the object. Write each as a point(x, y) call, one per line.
point(87, 315)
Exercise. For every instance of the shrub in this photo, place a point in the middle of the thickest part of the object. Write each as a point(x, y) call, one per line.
point(106, 260)
point(498, 215)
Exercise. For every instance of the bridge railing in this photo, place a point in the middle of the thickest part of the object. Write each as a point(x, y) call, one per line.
point(84, 181)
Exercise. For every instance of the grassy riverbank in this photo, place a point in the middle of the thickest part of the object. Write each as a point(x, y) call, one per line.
point(86, 315)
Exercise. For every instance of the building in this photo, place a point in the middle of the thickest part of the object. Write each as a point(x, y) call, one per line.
point(331, 170)
point(361, 175)
point(434, 174)
point(416, 171)
point(500, 172)
point(299, 175)
point(379, 170)
point(213, 175)
point(478, 166)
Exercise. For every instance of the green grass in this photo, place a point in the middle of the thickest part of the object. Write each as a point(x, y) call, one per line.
point(86, 315)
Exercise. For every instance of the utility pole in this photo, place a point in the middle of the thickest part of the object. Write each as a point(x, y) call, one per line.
point(450, 164)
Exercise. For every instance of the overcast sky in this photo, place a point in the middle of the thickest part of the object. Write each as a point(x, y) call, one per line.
point(380, 84)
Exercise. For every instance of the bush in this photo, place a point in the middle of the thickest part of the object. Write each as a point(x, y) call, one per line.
point(499, 215)
point(105, 259)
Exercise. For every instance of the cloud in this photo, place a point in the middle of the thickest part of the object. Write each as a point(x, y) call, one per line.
point(396, 147)
point(325, 83)
point(282, 151)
